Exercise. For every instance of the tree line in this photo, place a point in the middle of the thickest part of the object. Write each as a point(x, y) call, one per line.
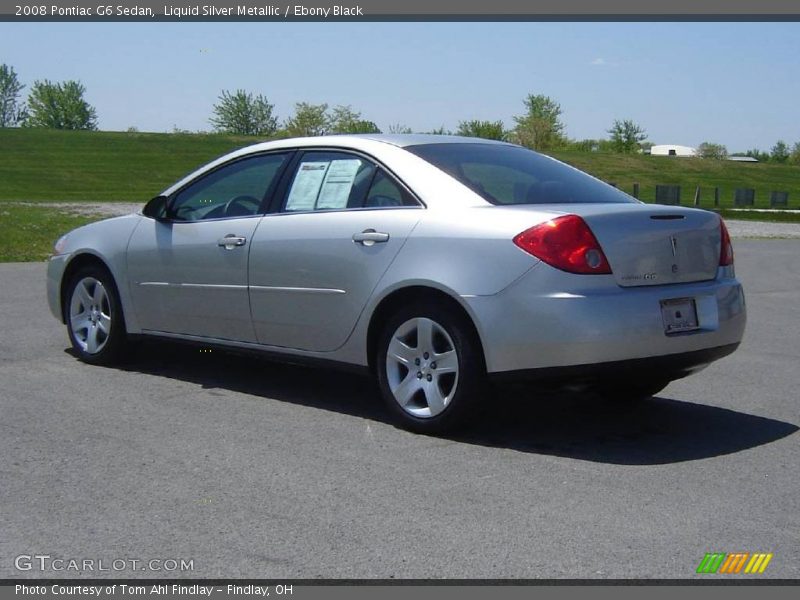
point(61, 105)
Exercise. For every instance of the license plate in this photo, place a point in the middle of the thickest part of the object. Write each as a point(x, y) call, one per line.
point(679, 315)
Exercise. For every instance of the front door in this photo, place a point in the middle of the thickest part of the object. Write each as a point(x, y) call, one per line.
point(188, 272)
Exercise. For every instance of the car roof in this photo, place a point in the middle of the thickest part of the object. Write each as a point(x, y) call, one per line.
point(404, 140)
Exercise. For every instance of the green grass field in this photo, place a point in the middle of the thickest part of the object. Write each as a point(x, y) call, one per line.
point(647, 171)
point(100, 166)
point(40, 164)
point(29, 232)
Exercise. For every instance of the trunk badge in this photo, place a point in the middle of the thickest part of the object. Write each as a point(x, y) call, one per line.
point(674, 241)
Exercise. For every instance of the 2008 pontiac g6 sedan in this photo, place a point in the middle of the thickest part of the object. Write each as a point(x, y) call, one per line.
point(432, 261)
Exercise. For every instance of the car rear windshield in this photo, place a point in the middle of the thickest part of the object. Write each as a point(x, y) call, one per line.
point(506, 174)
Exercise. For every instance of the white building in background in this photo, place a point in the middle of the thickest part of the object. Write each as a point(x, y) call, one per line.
point(672, 150)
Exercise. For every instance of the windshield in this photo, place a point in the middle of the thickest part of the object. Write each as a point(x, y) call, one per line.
point(506, 174)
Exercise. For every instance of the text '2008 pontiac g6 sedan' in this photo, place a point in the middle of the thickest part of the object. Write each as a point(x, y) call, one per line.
point(432, 261)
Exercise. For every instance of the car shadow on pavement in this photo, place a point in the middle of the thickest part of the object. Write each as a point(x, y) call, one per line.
point(655, 431)
point(659, 430)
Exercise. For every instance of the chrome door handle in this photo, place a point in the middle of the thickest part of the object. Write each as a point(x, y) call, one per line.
point(368, 237)
point(230, 241)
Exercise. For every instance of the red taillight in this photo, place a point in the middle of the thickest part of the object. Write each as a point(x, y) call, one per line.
point(566, 243)
point(726, 248)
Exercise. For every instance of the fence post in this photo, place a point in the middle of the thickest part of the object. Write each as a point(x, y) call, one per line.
point(716, 197)
point(636, 190)
point(697, 196)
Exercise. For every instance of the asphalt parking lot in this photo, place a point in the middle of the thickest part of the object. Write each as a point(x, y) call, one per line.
point(254, 469)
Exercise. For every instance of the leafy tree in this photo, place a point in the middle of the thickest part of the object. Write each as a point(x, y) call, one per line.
point(364, 126)
point(589, 145)
point(10, 87)
point(794, 157)
point(626, 136)
point(754, 153)
point(779, 152)
point(60, 106)
point(308, 120)
point(440, 131)
point(489, 130)
point(399, 128)
point(540, 127)
point(710, 150)
point(241, 113)
point(344, 119)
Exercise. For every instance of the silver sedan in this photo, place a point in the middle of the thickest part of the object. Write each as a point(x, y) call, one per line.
point(433, 262)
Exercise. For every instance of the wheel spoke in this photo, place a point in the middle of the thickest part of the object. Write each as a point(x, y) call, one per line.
point(401, 352)
point(83, 294)
point(99, 294)
point(434, 398)
point(446, 362)
point(424, 335)
point(81, 324)
point(405, 390)
point(104, 323)
point(91, 340)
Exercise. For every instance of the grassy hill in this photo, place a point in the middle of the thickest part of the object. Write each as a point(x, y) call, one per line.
point(99, 166)
point(647, 171)
point(40, 165)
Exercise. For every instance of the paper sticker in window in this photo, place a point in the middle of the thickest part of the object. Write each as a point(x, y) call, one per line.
point(306, 185)
point(338, 183)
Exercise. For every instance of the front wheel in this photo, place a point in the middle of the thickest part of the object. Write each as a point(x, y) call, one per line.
point(94, 318)
point(430, 368)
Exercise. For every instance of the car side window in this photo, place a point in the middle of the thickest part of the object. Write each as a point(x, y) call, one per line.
point(235, 190)
point(329, 181)
point(385, 192)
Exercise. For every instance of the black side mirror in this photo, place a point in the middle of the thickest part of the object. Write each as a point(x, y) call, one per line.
point(156, 208)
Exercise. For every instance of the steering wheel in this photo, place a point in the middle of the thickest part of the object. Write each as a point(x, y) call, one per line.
point(242, 206)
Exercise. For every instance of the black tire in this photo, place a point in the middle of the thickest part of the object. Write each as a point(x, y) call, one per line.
point(629, 393)
point(110, 346)
point(463, 391)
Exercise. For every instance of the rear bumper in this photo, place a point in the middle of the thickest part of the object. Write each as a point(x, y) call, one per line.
point(550, 319)
point(671, 366)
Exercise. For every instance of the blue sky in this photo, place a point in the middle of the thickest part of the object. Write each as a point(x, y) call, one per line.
point(733, 83)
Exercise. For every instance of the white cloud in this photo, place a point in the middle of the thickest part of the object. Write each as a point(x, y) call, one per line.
point(598, 62)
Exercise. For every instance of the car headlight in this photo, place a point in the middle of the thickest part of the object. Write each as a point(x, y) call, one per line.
point(61, 244)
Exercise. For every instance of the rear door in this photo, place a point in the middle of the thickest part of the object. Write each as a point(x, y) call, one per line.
point(188, 272)
point(315, 263)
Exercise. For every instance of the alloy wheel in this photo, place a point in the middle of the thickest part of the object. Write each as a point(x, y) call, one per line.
point(90, 315)
point(422, 367)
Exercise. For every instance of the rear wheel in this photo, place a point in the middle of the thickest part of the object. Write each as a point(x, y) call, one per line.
point(430, 368)
point(94, 318)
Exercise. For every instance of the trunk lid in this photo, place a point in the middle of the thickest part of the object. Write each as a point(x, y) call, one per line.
point(656, 245)
point(645, 244)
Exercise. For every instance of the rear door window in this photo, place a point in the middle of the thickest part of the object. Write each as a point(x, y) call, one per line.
point(329, 181)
